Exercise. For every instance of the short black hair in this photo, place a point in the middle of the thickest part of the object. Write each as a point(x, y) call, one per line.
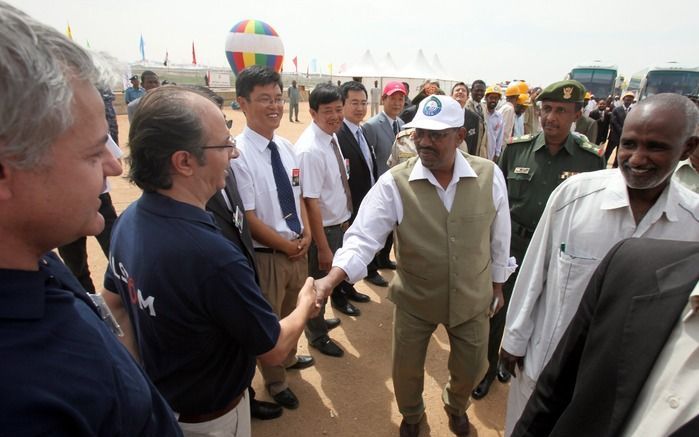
point(462, 84)
point(147, 73)
point(257, 75)
point(324, 93)
point(478, 82)
point(352, 85)
point(165, 122)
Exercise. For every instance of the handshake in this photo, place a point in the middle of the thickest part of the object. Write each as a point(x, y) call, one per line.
point(315, 293)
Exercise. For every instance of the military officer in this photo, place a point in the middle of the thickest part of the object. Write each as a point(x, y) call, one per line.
point(533, 165)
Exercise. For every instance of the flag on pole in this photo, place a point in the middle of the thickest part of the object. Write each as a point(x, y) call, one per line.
point(88, 43)
point(166, 58)
point(69, 33)
point(194, 55)
point(142, 47)
point(330, 69)
point(296, 65)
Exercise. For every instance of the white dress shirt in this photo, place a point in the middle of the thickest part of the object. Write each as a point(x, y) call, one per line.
point(256, 185)
point(320, 174)
point(382, 210)
point(670, 398)
point(584, 217)
point(508, 121)
point(495, 130)
point(364, 146)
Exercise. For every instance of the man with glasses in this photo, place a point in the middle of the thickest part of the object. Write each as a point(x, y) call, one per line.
point(451, 221)
point(362, 167)
point(326, 193)
point(198, 316)
point(268, 179)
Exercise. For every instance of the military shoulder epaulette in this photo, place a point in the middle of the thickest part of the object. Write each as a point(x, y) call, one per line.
point(585, 144)
point(522, 139)
point(404, 133)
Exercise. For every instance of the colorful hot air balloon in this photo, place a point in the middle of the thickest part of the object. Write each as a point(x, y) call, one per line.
point(253, 42)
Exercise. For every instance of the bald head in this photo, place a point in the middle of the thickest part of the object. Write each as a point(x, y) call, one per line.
point(680, 108)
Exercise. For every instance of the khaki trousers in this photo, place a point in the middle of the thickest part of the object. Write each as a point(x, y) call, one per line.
point(280, 281)
point(467, 362)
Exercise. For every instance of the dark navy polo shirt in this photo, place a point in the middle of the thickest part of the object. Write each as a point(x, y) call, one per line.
point(199, 317)
point(62, 372)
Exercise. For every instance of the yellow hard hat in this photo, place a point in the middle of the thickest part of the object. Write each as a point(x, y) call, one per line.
point(512, 89)
point(588, 95)
point(523, 87)
point(523, 100)
point(493, 89)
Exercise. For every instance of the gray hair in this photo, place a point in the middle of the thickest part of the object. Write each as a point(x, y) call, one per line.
point(668, 101)
point(37, 64)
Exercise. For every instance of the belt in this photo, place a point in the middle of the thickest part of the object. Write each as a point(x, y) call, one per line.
point(521, 231)
point(198, 418)
point(264, 250)
point(342, 226)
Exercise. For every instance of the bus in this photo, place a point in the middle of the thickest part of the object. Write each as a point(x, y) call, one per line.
point(600, 80)
point(670, 77)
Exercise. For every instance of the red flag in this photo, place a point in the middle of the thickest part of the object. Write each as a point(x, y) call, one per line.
point(296, 65)
point(194, 55)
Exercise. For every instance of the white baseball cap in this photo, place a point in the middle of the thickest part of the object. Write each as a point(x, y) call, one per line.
point(438, 113)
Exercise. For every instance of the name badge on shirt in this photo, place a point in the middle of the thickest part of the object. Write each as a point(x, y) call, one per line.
point(521, 170)
point(347, 167)
point(566, 174)
point(238, 219)
point(295, 177)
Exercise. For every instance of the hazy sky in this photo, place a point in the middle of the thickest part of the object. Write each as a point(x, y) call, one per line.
point(536, 40)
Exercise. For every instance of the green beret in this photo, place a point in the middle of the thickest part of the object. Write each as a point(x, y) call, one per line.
point(566, 91)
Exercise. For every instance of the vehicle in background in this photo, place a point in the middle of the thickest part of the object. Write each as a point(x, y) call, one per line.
point(599, 79)
point(670, 77)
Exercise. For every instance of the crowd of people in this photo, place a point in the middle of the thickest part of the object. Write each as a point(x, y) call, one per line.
point(574, 282)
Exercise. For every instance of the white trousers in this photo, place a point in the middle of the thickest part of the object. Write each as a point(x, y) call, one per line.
point(235, 423)
point(521, 388)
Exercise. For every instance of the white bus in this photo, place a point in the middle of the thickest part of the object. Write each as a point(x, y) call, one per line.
point(670, 77)
point(599, 79)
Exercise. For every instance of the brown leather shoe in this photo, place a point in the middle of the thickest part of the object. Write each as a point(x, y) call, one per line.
point(409, 429)
point(458, 424)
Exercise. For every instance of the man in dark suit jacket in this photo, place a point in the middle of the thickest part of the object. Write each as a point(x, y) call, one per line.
point(617, 124)
point(363, 170)
point(380, 132)
point(602, 117)
point(599, 375)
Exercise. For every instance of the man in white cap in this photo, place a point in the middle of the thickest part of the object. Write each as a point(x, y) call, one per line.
point(449, 212)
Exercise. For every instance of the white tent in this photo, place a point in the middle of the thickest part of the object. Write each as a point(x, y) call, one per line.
point(387, 66)
point(366, 66)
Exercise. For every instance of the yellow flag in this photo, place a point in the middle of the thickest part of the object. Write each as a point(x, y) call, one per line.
point(69, 34)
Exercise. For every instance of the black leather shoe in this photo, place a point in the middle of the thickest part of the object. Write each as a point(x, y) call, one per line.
point(482, 389)
point(376, 279)
point(264, 410)
point(503, 375)
point(328, 347)
point(332, 323)
point(458, 424)
point(345, 307)
point(358, 297)
point(302, 361)
point(409, 429)
point(287, 399)
point(386, 264)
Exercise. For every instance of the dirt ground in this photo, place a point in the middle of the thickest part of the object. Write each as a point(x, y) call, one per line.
point(352, 395)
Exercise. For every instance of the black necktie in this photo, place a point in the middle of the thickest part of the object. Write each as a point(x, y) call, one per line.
point(284, 192)
point(395, 127)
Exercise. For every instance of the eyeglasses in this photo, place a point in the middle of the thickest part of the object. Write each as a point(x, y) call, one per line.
point(434, 135)
point(230, 143)
point(267, 101)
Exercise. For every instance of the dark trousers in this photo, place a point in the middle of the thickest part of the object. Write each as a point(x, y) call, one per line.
point(75, 254)
point(518, 247)
point(315, 327)
point(384, 254)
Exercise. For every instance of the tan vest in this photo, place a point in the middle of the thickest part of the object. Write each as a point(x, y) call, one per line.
point(443, 257)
